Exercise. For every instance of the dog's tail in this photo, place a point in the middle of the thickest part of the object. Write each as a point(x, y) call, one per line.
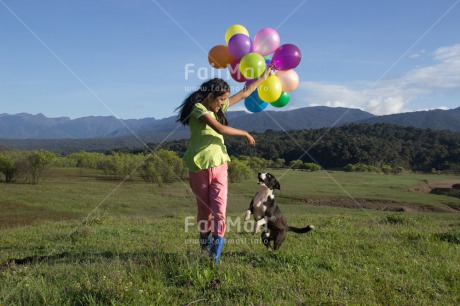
point(301, 230)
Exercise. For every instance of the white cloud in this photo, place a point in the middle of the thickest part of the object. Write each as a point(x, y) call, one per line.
point(444, 74)
point(451, 52)
point(419, 54)
point(390, 96)
point(439, 107)
point(382, 100)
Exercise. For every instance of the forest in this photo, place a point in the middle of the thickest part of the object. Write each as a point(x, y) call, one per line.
point(356, 147)
point(376, 145)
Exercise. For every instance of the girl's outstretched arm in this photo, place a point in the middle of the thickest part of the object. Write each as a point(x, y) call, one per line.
point(247, 90)
point(226, 130)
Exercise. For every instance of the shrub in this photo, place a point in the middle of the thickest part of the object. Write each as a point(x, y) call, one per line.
point(279, 163)
point(85, 159)
point(238, 170)
point(25, 166)
point(8, 166)
point(448, 167)
point(434, 171)
point(296, 164)
point(452, 237)
point(311, 167)
point(395, 219)
point(398, 170)
point(361, 168)
point(386, 169)
point(162, 167)
point(63, 162)
point(39, 161)
point(349, 168)
point(120, 165)
point(22, 168)
point(368, 168)
point(256, 163)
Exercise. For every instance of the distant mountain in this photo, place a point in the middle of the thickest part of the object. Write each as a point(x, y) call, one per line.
point(434, 119)
point(26, 126)
point(299, 119)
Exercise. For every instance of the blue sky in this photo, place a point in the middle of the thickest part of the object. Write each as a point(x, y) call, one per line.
point(128, 58)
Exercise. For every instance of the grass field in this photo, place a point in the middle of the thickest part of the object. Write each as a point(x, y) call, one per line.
point(78, 238)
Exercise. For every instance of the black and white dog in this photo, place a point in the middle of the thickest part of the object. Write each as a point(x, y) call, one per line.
point(266, 212)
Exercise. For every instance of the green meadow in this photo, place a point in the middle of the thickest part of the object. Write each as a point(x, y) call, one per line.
point(80, 238)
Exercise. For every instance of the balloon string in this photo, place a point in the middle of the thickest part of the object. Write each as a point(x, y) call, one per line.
point(273, 69)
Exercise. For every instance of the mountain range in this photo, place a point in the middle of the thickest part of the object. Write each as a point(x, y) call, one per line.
point(27, 126)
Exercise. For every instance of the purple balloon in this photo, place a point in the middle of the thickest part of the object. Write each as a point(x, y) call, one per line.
point(239, 45)
point(286, 57)
point(249, 82)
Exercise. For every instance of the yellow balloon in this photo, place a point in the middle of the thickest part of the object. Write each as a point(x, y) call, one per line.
point(235, 29)
point(270, 90)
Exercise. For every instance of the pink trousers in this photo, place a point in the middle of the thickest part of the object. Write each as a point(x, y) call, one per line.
point(210, 188)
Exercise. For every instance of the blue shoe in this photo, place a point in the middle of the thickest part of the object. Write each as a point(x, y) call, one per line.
point(216, 249)
point(205, 241)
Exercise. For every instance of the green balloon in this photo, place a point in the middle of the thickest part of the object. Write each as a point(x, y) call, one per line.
point(282, 101)
point(252, 65)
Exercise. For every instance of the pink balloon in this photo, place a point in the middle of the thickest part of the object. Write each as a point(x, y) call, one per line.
point(266, 41)
point(289, 79)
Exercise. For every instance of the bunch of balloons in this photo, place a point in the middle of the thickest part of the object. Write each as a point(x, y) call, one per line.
point(247, 60)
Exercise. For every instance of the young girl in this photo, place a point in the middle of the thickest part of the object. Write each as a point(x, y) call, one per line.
point(206, 157)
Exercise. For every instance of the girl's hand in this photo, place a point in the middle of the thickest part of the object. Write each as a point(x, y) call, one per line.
point(250, 140)
point(247, 90)
point(267, 71)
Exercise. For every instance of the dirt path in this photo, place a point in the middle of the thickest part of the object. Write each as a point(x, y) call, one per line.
point(442, 183)
point(389, 205)
point(384, 205)
point(430, 185)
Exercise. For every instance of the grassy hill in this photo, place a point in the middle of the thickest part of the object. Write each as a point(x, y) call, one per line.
point(79, 238)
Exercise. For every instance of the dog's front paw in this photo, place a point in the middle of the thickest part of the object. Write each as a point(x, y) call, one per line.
point(247, 216)
point(255, 229)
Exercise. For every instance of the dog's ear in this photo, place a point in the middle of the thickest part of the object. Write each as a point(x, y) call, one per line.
point(277, 185)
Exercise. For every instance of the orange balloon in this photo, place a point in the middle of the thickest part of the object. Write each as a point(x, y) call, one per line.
point(219, 57)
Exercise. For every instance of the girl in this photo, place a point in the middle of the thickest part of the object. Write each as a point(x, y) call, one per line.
point(206, 157)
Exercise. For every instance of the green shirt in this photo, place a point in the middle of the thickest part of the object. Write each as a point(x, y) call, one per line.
point(206, 148)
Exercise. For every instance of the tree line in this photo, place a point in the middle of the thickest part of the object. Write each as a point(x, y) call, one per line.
point(383, 148)
point(160, 167)
point(376, 145)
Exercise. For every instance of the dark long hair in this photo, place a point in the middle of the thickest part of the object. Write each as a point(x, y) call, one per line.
point(216, 87)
